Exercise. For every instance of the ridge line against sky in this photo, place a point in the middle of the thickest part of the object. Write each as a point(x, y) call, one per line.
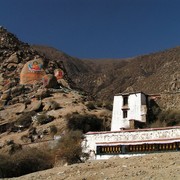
point(95, 28)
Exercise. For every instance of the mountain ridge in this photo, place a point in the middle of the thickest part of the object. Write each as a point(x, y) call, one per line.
point(146, 73)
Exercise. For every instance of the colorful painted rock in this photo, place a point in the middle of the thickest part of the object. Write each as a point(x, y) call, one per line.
point(58, 73)
point(32, 72)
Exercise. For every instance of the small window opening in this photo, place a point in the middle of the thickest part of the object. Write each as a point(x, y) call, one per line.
point(125, 100)
point(125, 114)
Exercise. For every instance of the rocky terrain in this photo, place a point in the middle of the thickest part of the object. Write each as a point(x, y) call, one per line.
point(35, 92)
point(64, 84)
point(40, 85)
point(153, 73)
point(163, 166)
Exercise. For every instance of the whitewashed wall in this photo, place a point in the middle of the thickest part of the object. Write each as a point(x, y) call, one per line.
point(137, 110)
point(139, 135)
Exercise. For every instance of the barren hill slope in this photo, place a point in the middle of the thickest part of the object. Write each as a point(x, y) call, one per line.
point(163, 166)
point(153, 73)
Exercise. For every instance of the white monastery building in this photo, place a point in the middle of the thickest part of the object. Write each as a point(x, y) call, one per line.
point(127, 137)
point(126, 107)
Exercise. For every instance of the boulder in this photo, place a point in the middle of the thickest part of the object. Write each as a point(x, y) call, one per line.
point(64, 83)
point(2, 104)
point(1, 87)
point(35, 105)
point(50, 105)
point(5, 96)
point(13, 59)
point(11, 66)
point(17, 90)
point(32, 72)
point(17, 108)
point(25, 120)
point(1, 79)
point(49, 81)
point(58, 73)
point(42, 93)
point(42, 118)
point(9, 84)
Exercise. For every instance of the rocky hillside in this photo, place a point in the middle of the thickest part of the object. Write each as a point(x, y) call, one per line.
point(153, 73)
point(37, 93)
point(17, 62)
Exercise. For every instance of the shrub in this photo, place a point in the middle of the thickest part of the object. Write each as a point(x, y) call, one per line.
point(14, 148)
point(84, 122)
point(70, 149)
point(6, 167)
point(108, 105)
point(51, 105)
point(55, 105)
point(23, 162)
point(90, 105)
point(42, 118)
point(171, 118)
point(99, 104)
point(24, 120)
point(25, 138)
point(53, 129)
point(153, 112)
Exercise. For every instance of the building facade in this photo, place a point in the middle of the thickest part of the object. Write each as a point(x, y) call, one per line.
point(132, 142)
point(124, 140)
point(126, 107)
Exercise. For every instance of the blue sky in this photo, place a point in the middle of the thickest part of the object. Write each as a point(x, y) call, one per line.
point(95, 28)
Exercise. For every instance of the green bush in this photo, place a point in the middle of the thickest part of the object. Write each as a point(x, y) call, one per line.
point(84, 122)
point(70, 149)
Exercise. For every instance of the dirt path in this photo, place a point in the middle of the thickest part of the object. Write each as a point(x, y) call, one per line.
point(162, 166)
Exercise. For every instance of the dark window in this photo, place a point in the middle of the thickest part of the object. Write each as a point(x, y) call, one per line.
point(125, 100)
point(125, 114)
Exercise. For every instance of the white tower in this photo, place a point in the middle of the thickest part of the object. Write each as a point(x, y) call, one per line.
point(128, 106)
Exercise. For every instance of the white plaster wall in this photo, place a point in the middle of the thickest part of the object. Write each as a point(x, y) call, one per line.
point(134, 105)
point(91, 139)
point(102, 157)
point(117, 120)
point(134, 111)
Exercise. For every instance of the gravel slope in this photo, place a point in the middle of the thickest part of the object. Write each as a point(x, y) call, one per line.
point(162, 166)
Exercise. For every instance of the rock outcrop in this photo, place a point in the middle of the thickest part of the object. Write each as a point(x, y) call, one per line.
point(24, 72)
point(32, 72)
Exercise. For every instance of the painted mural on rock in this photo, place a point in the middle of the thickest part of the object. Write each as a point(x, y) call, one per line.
point(35, 66)
point(32, 72)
